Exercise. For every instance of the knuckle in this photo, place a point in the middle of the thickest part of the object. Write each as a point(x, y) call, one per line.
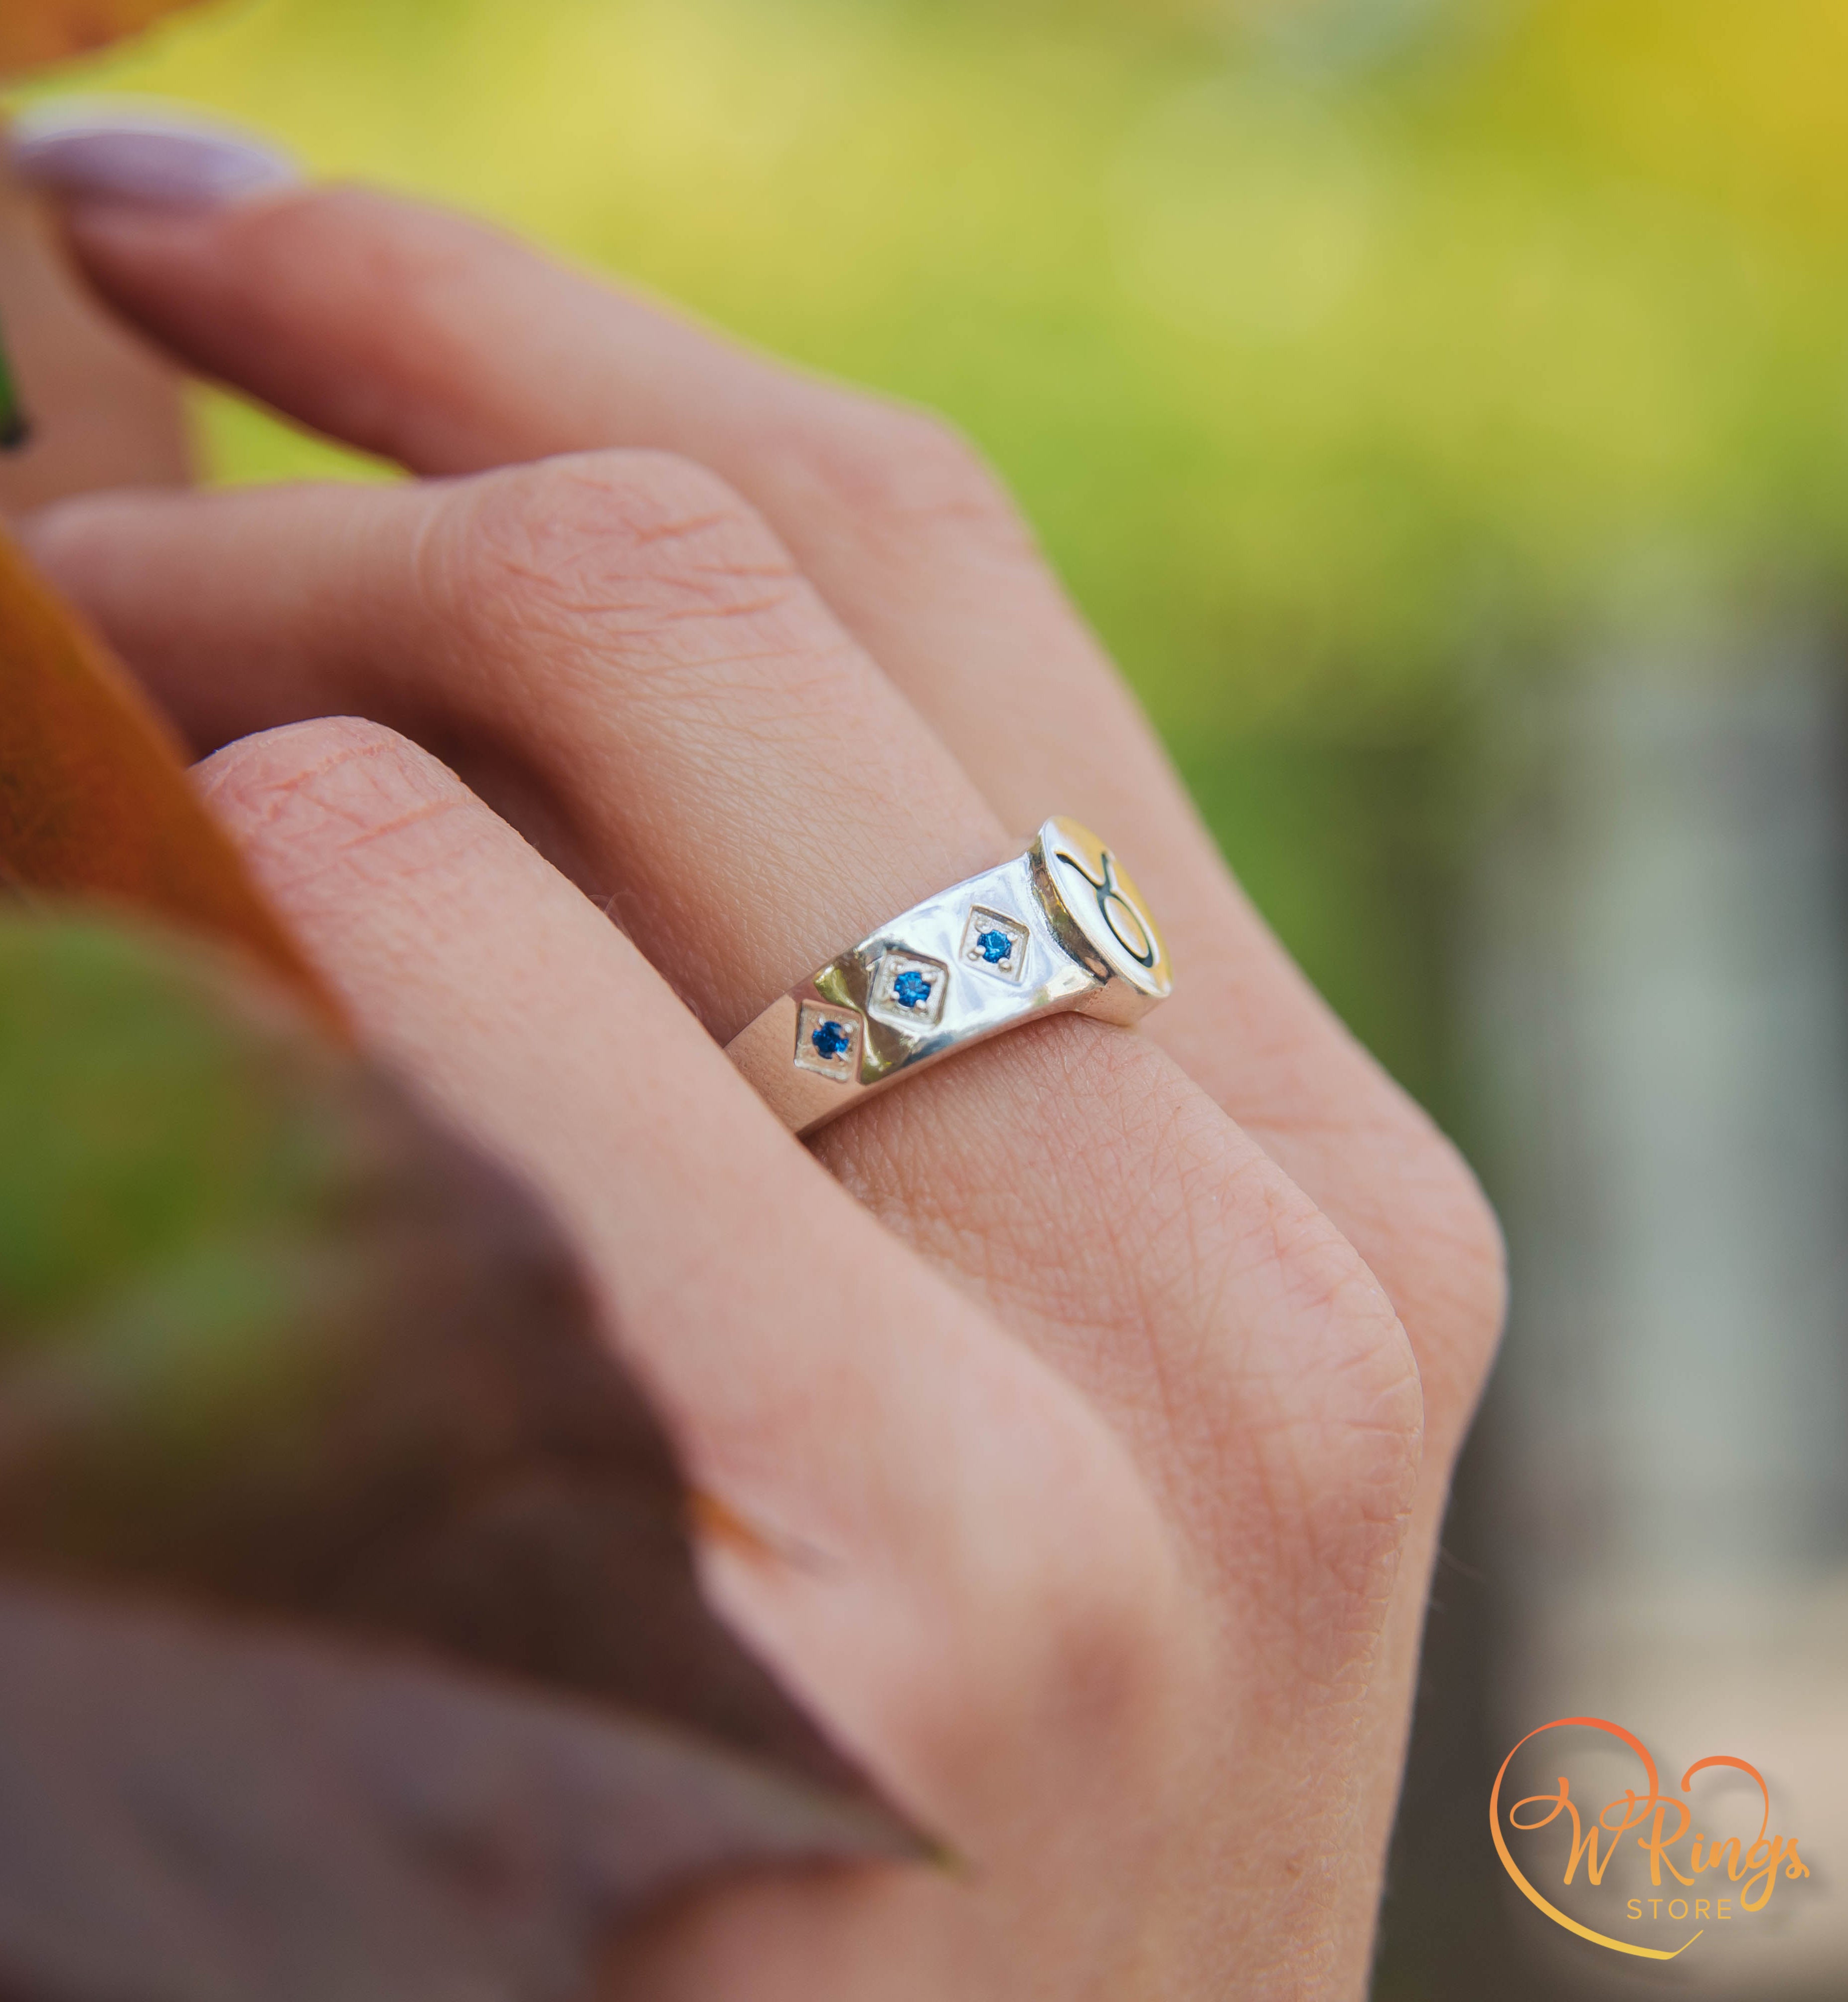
point(1482, 1251)
point(902, 472)
point(1343, 1468)
point(314, 805)
point(1322, 1498)
point(643, 549)
point(1359, 1481)
point(1478, 1262)
point(1303, 1338)
point(1309, 1405)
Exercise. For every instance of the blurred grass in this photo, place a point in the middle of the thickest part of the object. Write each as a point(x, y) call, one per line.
point(1343, 351)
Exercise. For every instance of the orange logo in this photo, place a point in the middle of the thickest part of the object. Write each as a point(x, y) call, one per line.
point(1708, 1869)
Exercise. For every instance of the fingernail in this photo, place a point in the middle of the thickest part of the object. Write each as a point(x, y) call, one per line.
point(103, 151)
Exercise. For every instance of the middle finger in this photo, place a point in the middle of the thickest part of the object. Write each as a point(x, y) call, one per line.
point(612, 647)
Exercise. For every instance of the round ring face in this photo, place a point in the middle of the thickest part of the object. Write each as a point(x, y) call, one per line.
point(1106, 906)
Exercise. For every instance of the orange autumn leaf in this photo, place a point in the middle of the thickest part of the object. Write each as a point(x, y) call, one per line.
point(95, 801)
point(33, 32)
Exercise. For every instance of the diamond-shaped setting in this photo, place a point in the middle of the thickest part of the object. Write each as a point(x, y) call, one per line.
point(828, 1040)
point(908, 991)
point(996, 943)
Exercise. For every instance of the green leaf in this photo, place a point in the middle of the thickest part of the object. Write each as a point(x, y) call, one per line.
point(310, 1442)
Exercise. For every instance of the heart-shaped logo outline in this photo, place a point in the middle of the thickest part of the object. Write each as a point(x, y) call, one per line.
point(1643, 1805)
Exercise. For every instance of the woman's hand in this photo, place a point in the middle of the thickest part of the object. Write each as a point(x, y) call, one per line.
point(1095, 1394)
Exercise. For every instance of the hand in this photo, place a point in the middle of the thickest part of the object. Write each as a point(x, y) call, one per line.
point(1096, 1394)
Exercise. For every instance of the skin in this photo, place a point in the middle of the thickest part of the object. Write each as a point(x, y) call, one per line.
point(1092, 1399)
point(102, 405)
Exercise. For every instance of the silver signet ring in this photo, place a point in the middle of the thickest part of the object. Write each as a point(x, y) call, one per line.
point(1061, 928)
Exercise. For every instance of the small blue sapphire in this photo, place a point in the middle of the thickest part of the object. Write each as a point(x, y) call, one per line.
point(832, 1040)
point(995, 946)
point(911, 989)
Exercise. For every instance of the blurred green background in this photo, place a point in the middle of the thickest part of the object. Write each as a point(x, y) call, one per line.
point(1364, 364)
point(1351, 356)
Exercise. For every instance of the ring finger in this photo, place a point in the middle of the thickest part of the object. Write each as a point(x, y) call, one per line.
point(619, 638)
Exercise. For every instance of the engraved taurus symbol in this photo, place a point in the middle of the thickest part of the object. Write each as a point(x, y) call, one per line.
point(1140, 944)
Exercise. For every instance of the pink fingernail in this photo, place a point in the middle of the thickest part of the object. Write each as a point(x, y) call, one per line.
point(98, 150)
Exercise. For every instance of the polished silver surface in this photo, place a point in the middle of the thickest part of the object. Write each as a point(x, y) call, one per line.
point(1060, 928)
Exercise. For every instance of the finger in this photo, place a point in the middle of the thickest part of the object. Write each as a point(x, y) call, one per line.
point(615, 636)
point(430, 340)
point(754, 792)
point(822, 1385)
point(995, 1625)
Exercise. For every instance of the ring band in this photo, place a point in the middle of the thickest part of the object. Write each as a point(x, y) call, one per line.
point(1059, 929)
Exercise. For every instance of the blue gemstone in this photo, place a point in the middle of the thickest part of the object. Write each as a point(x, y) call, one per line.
point(911, 989)
point(832, 1040)
point(995, 946)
